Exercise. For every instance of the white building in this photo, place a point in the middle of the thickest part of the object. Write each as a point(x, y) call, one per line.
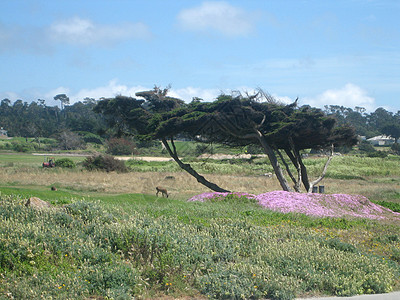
point(381, 140)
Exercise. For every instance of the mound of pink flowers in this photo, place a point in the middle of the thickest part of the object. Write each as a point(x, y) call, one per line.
point(319, 205)
point(323, 205)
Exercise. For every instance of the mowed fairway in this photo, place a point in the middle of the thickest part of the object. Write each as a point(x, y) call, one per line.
point(114, 238)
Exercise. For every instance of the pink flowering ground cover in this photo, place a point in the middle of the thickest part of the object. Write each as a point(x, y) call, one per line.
point(323, 205)
point(319, 205)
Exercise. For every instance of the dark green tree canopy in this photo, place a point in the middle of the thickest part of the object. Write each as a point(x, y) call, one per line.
point(126, 114)
point(240, 121)
point(232, 120)
point(392, 129)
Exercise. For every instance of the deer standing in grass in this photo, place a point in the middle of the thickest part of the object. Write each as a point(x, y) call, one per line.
point(161, 190)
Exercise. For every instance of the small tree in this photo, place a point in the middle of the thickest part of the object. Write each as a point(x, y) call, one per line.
point(68, 140)
point(63, 98)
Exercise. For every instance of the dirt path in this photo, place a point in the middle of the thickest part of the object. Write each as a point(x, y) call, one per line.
point(145, 158)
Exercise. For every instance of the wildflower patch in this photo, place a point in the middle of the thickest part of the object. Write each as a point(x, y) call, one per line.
point(311, 204)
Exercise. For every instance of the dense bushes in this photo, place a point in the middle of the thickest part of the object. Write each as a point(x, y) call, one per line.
point(381, 154)
point(366, 147)
point(396, 148)
point(65, 163)
point(22, 147)
point(104, 163)
point(89, 137)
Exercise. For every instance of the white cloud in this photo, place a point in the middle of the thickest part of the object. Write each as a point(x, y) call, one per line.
point(217, 16)
point(188, 93)
point(350, 95)
point(56, 91)
point(283, 99)
point(74, 31)
point(112, 89)
point(78, 31)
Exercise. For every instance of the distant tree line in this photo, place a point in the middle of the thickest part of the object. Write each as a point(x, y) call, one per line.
point(39, 120)
point(379, 122)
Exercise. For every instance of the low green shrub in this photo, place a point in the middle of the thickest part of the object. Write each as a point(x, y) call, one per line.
point(381, 154)
point(65, 163)
point(335, 243)
point(22, 146)
point(366, 147)
point(89, 137)
point(395, 148)
point(391, 205)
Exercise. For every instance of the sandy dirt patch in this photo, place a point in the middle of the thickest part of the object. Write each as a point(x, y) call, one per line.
point(145, 158)
point(61, 154)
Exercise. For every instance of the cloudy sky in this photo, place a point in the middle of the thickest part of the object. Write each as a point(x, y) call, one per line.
point(333, 52)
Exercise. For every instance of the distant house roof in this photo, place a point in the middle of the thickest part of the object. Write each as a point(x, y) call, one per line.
point(381, 138)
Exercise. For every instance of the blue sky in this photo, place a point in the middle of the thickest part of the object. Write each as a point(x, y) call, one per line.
point(331, 52)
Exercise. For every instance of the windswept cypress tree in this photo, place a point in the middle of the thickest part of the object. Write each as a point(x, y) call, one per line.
point(235, 121)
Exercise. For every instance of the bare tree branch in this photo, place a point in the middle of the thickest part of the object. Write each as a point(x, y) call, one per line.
point(313, 183)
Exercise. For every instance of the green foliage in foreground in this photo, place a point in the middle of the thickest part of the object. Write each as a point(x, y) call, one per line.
point(84, 249)
point(391, 205)
point(65, 163)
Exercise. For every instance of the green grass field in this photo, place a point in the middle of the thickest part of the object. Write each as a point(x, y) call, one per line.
point(29, 160)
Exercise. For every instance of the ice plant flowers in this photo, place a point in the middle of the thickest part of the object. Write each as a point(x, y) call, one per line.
point(323, 205)
point(319, 205)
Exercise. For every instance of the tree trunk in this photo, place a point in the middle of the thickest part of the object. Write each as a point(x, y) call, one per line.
point(304, 175)
point(297, 161)
point(295, 181)
point(274, 162)
point(316, 181)
point(190, 170)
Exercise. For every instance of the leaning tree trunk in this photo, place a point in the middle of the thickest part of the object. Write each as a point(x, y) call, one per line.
point(189, 169)
point(297, 161)
point(274, 162)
